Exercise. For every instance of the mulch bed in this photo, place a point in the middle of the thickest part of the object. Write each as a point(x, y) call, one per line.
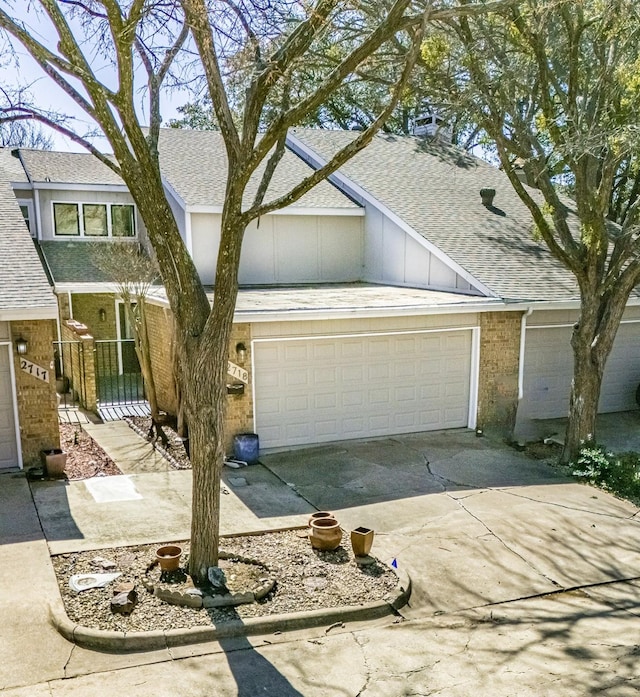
point(85, 458)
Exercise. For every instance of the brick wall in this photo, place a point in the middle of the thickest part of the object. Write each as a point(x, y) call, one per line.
point(498, 374)
point(78, 353)
point(86, 309)
point(37, 404)
point(239, 409)
point(160, 332)
point(64, 311)
point(239, 414)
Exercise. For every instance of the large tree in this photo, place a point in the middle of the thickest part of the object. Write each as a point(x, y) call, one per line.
point(271, 42)
point(555, 85)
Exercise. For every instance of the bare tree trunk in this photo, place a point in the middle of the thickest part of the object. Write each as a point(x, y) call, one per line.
point(209, 373)
point(583, 401)
point(592, 341)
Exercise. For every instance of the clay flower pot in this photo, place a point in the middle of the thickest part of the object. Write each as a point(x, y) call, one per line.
point(320, 514)
point(54, 461)
point(325, 533)
point(361, 541)
point(169, 557)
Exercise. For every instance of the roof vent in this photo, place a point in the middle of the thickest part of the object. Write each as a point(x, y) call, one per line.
point(487, 196)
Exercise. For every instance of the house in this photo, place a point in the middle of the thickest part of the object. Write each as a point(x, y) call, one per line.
point(28, 312)
point(392, 299)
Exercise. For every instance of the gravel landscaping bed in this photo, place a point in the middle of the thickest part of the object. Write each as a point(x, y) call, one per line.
point(305, 580)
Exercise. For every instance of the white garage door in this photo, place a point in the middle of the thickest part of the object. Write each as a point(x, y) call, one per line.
point(8, 449)
point(319, 390)
point(548, 369)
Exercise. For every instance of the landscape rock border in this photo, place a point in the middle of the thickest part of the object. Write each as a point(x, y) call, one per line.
point(195, 599)
point(129, 642)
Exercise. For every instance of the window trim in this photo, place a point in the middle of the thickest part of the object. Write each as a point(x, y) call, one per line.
point(82, 235)
point(29, 205)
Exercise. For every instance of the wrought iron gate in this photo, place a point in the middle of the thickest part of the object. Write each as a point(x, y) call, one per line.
point(118, 375)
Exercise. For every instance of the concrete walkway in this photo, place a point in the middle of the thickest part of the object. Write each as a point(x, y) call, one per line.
point(478, 526)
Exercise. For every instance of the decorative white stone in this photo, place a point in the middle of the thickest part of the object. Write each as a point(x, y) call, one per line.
point(82, 582)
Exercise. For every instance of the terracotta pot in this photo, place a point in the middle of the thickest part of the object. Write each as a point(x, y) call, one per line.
point(325, 533)
point(320, 514)
point(54, 462)
point(169, 557)
point(361, 541)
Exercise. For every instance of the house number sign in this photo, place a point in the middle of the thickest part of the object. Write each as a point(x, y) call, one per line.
point(35, 370)
point(238, 372)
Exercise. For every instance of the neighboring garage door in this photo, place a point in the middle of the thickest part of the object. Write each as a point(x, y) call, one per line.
point(318, 390)
point(548, 369)
point(8, 449)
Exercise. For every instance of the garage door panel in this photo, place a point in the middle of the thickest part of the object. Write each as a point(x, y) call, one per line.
point(340, 388)
point(8, 446)
point(548, 371)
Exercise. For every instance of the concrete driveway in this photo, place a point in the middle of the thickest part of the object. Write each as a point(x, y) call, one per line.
point(472, 521)
point(485, 533)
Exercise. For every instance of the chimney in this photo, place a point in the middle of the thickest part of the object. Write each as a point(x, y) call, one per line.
point(487, 196)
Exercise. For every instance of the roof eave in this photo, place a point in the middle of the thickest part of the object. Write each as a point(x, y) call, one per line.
point(15, 314)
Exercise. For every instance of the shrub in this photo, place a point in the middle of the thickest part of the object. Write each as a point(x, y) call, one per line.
point(619, 473)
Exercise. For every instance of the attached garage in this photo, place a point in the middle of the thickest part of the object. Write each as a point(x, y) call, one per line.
point(548, 370)
point(8, 436)
point(317, 389)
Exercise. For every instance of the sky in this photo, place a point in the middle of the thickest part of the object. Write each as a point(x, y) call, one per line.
point(24, 71)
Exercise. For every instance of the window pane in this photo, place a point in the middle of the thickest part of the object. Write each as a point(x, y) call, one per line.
point(25, 215)
point(66, 219)
point(95, 219)
point(122, 221)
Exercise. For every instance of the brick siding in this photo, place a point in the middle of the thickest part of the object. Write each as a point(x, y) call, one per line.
point(37, 404)
point(86, 309)
point(498, 374)
point(239, 408)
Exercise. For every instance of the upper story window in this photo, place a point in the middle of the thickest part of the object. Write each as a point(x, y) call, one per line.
point(26, 208)
point(94, 220)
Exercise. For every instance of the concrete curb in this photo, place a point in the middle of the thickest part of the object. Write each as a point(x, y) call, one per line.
point(123, 642)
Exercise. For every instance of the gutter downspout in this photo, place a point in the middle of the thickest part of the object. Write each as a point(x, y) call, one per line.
point(523, 329)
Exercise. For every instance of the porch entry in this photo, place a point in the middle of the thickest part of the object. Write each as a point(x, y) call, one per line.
point(71, 377)
point(118, 374)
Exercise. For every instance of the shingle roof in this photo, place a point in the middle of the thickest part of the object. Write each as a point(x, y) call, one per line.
point(67, 168)
point(23, 282)
point(70, 262)
point(435, 188)
point(195, 165)
point(12, 167)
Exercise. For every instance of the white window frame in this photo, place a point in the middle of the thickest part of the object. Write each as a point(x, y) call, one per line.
point(28, 204)
point(108, 236)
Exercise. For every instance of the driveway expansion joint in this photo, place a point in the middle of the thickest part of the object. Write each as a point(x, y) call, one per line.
point(503, 543)
point(555, 504)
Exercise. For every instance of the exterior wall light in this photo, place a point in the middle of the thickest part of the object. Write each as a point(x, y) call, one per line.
point(21, 346)
point(241, 353)
point(102, 314)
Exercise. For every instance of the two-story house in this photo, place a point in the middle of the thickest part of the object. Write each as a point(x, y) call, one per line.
point(392, 299)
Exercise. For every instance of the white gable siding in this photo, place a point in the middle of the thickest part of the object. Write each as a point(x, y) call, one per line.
point(178, 214)
point(283, 249)
point(393, 256)
point(205, 238)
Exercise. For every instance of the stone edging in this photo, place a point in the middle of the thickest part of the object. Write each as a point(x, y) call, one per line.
point(125, 642)
point(197, 599)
